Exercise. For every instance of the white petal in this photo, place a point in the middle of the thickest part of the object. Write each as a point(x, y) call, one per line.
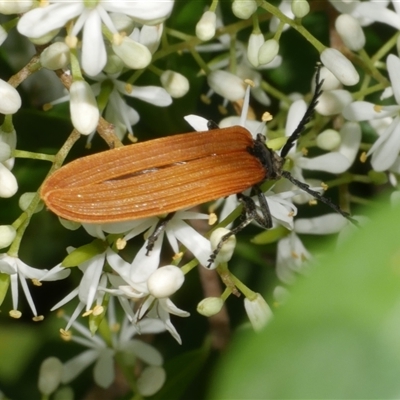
point(199, 124)
point(295, 114)
point(103, 371)
point(364, 111)
point(332, 102)
point(151, 94)
point(387, 147)
point(42, 20)
point(324, 225)
point(351, 139)
point(333, 162)
point(148, 12)
point(146, 352)
point(76, 365)
point(94, 54)
point(393, 66)
point(151, 380)
point(376, 12)
point(226, 85)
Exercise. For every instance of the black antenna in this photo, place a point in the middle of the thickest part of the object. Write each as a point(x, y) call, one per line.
point(307, 116)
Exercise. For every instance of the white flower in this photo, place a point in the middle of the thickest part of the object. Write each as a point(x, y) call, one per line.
point(8, 183)
point(258, 311)
point(226, 251)
point(10, 100)
point(102, 353)
point(19, 271)
point(135, 55)
point(256, 40)
point(227, 85)
point(83, 107)
point(386, 149)
point(42, 20)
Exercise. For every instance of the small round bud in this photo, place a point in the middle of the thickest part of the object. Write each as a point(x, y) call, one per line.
point(256, 40)
point(50, 375)
point(5, 151)
point(340, 66)
point(8, 183)
point(210, 306)
point(25, 201)
point(377, 178)
point(174, 83)
point(300, 8)
point(227, 249)
point(56, 56)
point(258, 312)
point(114, 65)
point(244, 9)
point(10, 100)
point(350, 31)
point(227, 85)
point(205, 28)
point(133, 54)
point(83, 107)
point(328, 139)
point(268, 51)
point(165, 281)
point(7, 235)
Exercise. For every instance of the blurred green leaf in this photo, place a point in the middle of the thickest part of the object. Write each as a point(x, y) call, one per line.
point(84, 253)
point(337, 336)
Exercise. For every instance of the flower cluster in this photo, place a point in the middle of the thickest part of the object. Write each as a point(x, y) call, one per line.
point(107, 55)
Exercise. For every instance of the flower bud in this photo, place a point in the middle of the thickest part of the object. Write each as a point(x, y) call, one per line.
point(205, 28)
point(3, 35)
point(174, 83)
point(56, 56)
point(256, 40)
point(165, 281)
point(150, 36)
point(7, 235)
point(227, 249)
point(330, 80)
point(133, 54)
point(210, 306)
point(340, 66)
point(258, 312)
point(25, 201)
point(151, 380)
point(300, 8)
point(8, 7)
point(5, 152)
point(328, 139)
point(350, 31)
point(268, 51)
point(226, 85)
point(122, 22)
point(114, 65)
point(8, 183)
point(333, 102)
point(244, 9)
point(10, 100)
point(83, 107)
point(50, 375)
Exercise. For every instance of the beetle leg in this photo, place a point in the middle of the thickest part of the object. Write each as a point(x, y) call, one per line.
point(161, 224)
point(250, 214)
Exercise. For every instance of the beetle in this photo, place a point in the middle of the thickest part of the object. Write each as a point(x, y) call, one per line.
point(171, 173)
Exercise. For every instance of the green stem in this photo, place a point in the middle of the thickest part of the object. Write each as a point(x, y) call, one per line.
point(32, 155)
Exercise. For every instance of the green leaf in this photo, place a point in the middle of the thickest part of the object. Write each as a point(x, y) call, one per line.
point(84, 253)
point(338, 334)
